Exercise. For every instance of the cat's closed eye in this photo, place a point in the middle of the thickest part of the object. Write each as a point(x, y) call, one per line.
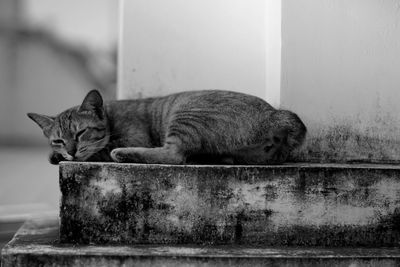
point(57, 142)
point(79, 133)
point(90, 133)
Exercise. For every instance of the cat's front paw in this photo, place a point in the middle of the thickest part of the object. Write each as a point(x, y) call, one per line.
point(125, 155)
point(117, 155)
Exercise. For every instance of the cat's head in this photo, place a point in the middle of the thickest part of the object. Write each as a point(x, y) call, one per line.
point(77, 133)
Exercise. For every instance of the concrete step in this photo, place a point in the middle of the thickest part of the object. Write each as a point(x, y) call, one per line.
point(286, 205)
point(37, 244)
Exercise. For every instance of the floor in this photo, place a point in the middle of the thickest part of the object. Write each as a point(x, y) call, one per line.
point(28, 187)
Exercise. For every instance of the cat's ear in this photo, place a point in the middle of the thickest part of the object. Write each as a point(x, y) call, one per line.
point(93, 102)
point(42, 120)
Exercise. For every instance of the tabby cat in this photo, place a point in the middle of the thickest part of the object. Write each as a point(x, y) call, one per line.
point(207, 126)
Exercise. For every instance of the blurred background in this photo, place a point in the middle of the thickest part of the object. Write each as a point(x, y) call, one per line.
point(51, 54)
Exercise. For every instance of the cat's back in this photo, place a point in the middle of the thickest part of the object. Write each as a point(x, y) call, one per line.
point(215, 100)
point(217, 119)
point(187, 100)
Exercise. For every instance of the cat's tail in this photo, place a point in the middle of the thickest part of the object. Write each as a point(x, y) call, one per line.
point(287, 126)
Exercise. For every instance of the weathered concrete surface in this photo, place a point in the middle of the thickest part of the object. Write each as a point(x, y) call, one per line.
point(351, 142)
point(287, 205)
point(36, 244)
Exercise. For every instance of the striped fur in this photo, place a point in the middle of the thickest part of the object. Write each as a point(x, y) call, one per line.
point(207, 126)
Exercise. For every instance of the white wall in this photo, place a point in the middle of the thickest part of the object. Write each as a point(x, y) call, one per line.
point(176, 45)
point(273, 18)
point(341, 74)
point(340, 60)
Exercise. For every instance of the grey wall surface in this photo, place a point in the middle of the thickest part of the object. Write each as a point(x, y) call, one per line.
point(341, 74)
point(177, 45)
point(340, 58)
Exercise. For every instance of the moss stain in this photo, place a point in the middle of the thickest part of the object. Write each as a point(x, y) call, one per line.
point(344, 143)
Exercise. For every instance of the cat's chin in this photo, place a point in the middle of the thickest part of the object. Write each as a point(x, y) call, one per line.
point(55, 158)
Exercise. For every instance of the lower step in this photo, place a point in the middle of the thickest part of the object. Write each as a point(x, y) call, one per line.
point(37, 244)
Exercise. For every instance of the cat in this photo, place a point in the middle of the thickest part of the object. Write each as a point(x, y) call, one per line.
point(209, 127)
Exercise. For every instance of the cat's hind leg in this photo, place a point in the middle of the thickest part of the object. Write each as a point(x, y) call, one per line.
point(274, 150)
point(168, 154)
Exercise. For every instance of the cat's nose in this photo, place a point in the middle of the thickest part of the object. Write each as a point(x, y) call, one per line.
point(72, 151)
point(55, 158)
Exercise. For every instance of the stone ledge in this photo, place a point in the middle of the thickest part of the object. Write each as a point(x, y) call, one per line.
point(285, 205)
point(37, 244)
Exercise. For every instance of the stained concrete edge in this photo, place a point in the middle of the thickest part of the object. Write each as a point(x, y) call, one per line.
point(303, 165)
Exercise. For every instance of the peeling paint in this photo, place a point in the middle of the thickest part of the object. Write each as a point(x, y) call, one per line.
point(107, 186)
